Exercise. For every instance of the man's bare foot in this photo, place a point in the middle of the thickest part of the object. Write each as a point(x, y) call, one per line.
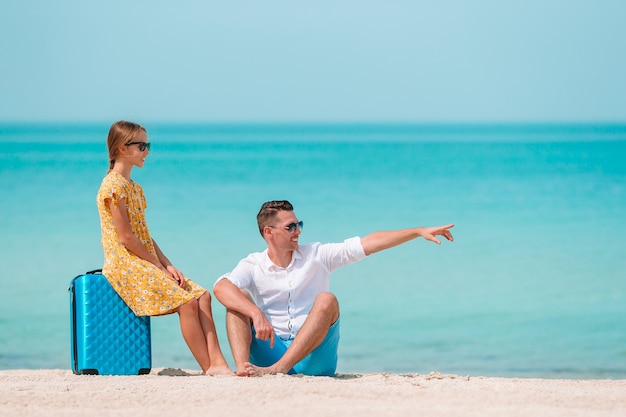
point(242, 371)
point(219, 370)
point(254, 370)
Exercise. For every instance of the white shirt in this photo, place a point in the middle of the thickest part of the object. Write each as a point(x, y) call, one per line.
point(286, 295)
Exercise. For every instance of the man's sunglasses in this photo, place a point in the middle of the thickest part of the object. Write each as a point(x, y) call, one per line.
point(291, 227)
point(142, 145)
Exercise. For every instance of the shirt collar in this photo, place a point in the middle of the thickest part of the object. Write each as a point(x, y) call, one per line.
point(270, 265)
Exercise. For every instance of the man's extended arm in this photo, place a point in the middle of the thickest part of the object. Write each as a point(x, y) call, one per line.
point(377, 241)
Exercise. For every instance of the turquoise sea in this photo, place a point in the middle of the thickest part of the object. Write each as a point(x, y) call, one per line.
point(533, 286)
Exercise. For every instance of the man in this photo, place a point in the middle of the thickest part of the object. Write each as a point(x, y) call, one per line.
point(280, 315)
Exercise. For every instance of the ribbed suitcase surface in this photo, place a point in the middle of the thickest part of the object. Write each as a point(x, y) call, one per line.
point(107, 338)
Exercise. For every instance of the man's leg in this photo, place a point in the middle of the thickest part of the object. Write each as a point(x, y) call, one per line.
point(324, 313)
point(239, 330)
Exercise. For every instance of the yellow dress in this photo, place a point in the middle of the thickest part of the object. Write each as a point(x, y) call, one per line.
point(146, 289)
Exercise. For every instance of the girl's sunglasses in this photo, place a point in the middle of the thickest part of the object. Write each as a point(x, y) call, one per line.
point(142, 145)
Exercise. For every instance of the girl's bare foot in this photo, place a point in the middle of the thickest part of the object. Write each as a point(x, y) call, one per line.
point(219, 370)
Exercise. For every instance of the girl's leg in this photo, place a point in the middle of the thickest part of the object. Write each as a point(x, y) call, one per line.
point(218, 365)
point(193, 333)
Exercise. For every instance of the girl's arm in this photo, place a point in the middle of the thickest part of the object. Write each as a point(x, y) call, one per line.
point(176, 274)
point(128, 238)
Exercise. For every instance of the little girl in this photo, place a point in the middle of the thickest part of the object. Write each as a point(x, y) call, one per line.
point(133, 262)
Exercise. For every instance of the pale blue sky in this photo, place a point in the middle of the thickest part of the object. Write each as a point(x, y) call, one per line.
point(322, 61)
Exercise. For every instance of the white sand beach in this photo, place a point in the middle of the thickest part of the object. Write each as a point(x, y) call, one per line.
point(171, 392)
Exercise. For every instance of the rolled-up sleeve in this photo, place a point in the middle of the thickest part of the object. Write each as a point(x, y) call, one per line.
point(241, 276)
point(336, 255)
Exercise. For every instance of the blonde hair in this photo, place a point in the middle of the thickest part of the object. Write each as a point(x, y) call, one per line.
point(121, 133)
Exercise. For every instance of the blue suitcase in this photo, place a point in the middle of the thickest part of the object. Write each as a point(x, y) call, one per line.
point(107, 338)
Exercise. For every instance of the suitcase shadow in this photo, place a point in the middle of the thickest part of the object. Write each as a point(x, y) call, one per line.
point(176, 372)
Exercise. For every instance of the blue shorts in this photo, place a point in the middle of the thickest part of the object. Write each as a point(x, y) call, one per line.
point(321, 362)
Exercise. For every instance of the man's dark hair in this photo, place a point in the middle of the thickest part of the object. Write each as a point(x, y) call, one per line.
point(268, 212)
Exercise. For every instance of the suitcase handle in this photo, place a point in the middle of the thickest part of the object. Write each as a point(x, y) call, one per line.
point(95, 271)
point(73, 342)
